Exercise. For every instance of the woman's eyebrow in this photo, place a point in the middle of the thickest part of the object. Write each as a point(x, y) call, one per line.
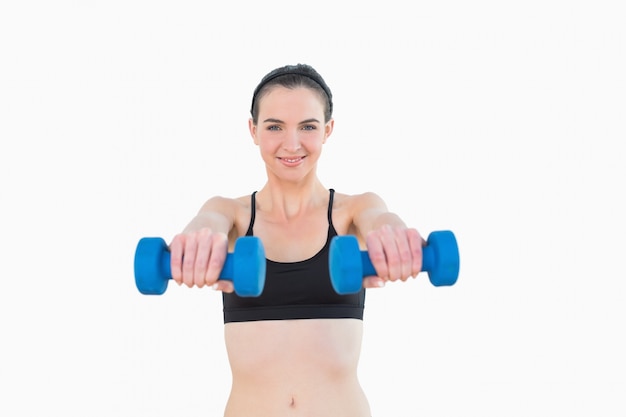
point(272, 120)
point(313, 120)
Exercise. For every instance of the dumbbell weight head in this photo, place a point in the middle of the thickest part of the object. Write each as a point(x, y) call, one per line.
point(248, 266)
point(152, 266)
point(346, 265)
point(443, 268)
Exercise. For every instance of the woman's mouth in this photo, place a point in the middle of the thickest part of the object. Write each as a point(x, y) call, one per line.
point(291, 161)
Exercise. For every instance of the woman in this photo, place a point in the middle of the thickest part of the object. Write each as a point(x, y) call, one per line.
point(294, 350)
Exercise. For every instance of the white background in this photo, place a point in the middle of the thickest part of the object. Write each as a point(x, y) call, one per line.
point(502, 121)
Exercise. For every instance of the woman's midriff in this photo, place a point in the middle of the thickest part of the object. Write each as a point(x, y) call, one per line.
point(295, 368)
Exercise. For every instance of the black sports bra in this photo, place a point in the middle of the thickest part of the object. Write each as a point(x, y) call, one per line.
point(296, 290)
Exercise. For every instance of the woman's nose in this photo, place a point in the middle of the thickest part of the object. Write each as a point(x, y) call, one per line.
point(291, 143)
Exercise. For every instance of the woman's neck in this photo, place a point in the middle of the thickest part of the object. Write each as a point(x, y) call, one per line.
point(285, 201)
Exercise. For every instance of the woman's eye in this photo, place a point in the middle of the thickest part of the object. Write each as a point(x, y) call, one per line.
point(273, 127)
point(308, 127)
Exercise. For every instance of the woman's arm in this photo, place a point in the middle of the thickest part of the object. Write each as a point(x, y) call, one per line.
point(199, 252)
point(394, 249)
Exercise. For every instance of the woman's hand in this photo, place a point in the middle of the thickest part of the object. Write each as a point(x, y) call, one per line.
point(396, 254)
point(198, 258)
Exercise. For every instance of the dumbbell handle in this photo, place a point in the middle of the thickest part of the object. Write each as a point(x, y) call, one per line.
point(226, 274)
point(428, 261)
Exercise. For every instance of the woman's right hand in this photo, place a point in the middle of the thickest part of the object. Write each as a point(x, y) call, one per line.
point(198, 258)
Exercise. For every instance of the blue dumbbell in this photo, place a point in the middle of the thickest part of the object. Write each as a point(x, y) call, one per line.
point(245, 266)
point(349, 265)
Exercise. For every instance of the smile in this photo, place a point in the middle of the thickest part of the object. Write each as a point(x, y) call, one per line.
point(292, 160)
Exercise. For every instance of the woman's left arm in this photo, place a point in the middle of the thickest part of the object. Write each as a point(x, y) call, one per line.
point(394, 249)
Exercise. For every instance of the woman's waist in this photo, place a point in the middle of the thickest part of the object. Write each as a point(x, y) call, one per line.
point(317, 401)
point(294, 350)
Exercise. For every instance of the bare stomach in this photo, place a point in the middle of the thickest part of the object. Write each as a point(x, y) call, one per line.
point(295, 368)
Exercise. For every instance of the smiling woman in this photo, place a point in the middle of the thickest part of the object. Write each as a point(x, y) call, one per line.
point(294, 350)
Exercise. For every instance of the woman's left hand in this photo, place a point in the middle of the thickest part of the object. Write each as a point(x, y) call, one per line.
point(396, 254)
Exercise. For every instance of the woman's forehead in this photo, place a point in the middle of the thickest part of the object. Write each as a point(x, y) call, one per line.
point(291, 100)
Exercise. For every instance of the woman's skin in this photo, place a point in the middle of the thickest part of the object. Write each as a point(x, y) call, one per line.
point(294, 367)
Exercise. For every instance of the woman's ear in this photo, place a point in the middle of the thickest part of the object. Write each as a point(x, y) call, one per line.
point(328, 129)
point(252, 128)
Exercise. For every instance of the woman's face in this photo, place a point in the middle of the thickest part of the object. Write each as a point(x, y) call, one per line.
point(291, 131)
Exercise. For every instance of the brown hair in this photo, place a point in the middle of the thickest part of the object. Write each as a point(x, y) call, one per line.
point(292, 76)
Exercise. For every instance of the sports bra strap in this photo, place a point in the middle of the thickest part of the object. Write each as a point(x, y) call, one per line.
point(252, 214)
point(330, 207)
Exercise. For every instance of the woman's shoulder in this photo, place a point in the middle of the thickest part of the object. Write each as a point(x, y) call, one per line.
point(349, 209)
point(357, 202)
point(235, 211)
point(229, 206)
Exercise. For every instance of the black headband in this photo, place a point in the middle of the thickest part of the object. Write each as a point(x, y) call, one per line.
point(302, 70)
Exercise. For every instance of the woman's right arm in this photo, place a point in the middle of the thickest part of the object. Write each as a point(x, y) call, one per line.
point(199, 252)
